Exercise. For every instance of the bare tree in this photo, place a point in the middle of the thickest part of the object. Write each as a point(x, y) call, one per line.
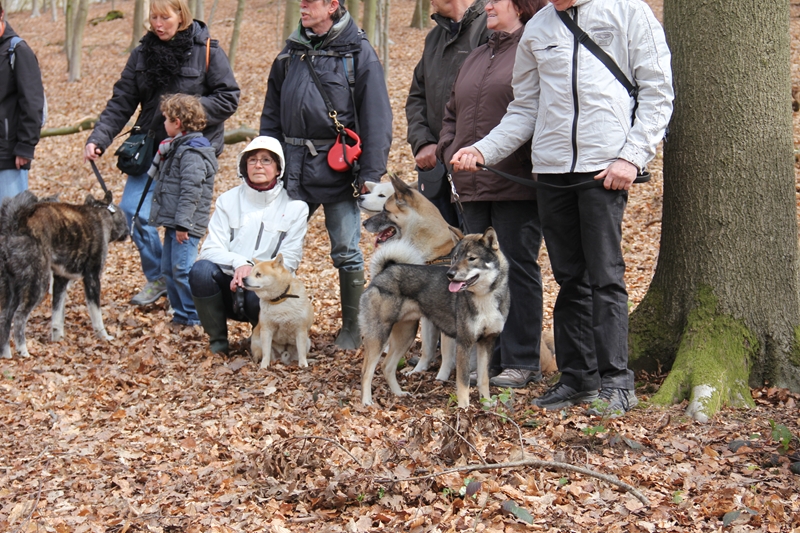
point(290, 17)
point(237, 26)
point(211, 15)
point(35, 9)
point(369, 19)
point(139, 10)
point(421, 14)
point(723, 310)
point(76, 25)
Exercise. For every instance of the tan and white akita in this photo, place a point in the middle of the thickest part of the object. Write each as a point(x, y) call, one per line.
point(286, 313)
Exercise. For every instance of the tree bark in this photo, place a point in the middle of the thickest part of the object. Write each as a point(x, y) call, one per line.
point(291, 17)
point(78, 24)
point(723, 310)
point(237, 26)
point(211, 15)
point(140, 12)
point(35, 9)
point(354, 8)
point(369, 19)
point(385, 38)
point(199, 10)
point(421, 15)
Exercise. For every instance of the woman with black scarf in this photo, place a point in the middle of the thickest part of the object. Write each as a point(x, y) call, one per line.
point(176, 55)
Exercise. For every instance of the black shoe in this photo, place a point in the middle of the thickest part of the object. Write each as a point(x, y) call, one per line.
point(560, 395)
point(613, 403)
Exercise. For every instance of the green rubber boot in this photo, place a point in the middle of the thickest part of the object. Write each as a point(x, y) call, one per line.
point(211, 312)
point(351, 286)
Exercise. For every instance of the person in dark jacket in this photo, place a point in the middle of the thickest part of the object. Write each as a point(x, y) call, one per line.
point(460, 28)
point(183, 170)
point(175, 56)
point(21, 108)
point(480, 96)
point(294, 111)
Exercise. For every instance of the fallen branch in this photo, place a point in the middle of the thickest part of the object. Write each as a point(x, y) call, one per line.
point(536, 463)
point(240, 134)
point(85, 124)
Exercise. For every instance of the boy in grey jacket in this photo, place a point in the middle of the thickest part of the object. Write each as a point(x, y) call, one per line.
point(183, 170)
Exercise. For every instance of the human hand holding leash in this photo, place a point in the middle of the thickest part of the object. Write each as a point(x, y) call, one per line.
point(619, 175)
point(467, 159)
point(91, 152)
point(239, 275)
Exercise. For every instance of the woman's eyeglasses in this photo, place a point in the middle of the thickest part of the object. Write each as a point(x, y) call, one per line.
point(265, 161)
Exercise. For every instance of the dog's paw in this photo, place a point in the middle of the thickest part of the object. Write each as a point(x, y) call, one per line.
point(56, 335)
point(104, 335)
point(302, 364)
point(6, 353)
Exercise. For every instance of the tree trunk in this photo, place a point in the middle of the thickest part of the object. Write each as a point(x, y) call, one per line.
point(211, 15)
point(78, 24)
point(369, 19)
point(35, 9)
point(385, 39)
point(53, 10)
point(723, 310)
point(140, 12)
point(291, 17)
point(354, 8)
point(237, 25)
point(69, 10)
point(421, 15)
point(199, 10)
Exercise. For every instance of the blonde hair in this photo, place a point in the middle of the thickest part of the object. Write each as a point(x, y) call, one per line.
point(186, 108)
point(180, 7)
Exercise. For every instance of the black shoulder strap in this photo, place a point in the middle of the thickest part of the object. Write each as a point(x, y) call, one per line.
point(600, 54)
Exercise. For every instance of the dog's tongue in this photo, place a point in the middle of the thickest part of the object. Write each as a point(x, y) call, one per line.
point(456, 286)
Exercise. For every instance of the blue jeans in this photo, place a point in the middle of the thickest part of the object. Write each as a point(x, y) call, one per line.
point(145, 238)
point(176, 262)
point(343, 222)
point(12, 182)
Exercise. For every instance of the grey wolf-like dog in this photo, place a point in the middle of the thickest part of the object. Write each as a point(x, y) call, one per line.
point(286, 314)
point(468, 301)
point(67, 241)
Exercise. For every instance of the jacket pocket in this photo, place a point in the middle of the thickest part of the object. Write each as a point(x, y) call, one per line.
point(191, 81)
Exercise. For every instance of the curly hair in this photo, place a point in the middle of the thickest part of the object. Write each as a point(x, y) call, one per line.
point(528, 8)
point(186, 108)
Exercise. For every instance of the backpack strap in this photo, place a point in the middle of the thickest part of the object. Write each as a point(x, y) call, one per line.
point(208, 52)
point(583, 38)
point(11, 55)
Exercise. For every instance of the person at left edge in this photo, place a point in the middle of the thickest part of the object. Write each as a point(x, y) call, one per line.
point(21, 108)
point(295, 112)
point(170, 58)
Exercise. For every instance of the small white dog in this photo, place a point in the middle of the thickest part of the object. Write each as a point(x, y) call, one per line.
point(372, 201)
point(286, 313)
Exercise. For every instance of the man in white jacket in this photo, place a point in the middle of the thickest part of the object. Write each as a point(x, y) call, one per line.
point(579, 116)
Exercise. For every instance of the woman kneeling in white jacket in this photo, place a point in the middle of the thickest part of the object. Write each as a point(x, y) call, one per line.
point(253, 221)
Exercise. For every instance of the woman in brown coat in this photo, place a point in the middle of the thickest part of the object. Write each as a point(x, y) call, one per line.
point(480, 96)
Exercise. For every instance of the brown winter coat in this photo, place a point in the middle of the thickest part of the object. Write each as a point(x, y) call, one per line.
point(478, 101)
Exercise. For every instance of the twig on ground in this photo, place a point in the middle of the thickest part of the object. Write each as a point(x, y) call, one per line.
point(460, 436)
point(326, 439)
point(509, 419)
point(529, 462)
point(24, 523)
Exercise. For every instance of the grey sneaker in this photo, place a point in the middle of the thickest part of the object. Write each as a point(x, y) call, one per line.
point(613, 403)
point(152, 291)
point(516, 378)
point(560, 395)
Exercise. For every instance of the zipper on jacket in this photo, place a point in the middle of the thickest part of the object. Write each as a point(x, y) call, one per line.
point(576, 45)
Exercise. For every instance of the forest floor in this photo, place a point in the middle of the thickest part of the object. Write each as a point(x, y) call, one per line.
point(150, 432)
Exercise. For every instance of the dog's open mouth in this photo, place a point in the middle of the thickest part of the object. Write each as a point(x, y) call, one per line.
point(385, 235)
point(457, 286)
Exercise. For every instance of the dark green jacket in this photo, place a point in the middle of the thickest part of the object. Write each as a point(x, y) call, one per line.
point(436, 71)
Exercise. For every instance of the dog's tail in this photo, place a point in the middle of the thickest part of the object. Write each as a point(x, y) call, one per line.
point(13, 209)
point(394, 252)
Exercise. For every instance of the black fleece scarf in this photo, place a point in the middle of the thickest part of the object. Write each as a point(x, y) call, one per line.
point(163, 59)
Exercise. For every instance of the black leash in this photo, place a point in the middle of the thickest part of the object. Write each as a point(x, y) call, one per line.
point(99, 176)
point(644, 177)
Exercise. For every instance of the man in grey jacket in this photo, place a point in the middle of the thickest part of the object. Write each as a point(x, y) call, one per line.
point(460, 28)
point(579, 118)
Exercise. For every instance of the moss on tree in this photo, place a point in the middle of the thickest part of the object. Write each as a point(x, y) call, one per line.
point(712, 365)
point(652, 339)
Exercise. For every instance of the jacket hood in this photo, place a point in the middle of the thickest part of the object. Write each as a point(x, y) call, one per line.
point(260, 143)
point(8, 32)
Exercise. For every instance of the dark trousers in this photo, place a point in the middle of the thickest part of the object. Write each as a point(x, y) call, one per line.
point(583, 232)
point(207, 279)
point(520, 236)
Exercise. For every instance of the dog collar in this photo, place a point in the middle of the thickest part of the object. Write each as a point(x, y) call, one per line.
point(443, 260)
point(283, 297)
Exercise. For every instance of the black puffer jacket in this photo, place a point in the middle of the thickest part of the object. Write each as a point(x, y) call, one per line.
point(216, 86)
point(294, 108)
point(21, 102)
point(443, 55)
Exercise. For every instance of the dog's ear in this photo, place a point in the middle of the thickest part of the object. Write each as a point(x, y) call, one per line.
point(108, 198)
point(399, 185)
point(90, 200)
point(370, 185)
point(455, 234)
point(279, 260)
point(490, 238)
